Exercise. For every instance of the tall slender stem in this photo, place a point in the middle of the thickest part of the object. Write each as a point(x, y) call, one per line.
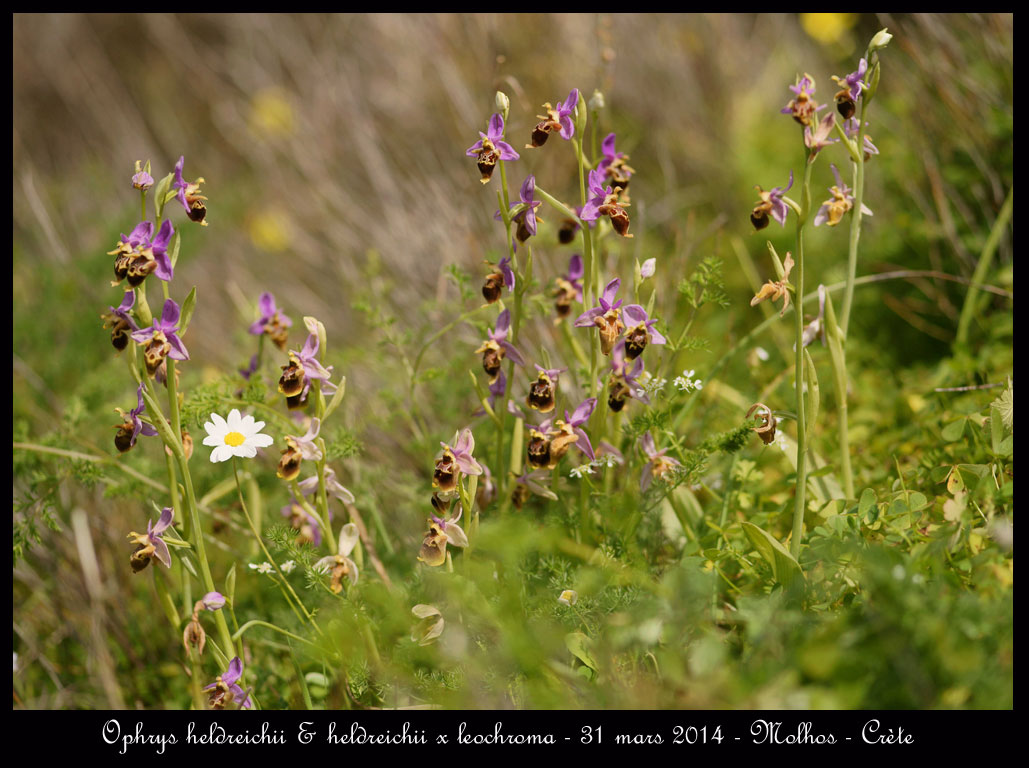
point(798, 511)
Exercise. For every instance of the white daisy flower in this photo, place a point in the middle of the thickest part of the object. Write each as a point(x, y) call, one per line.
point(238, 436)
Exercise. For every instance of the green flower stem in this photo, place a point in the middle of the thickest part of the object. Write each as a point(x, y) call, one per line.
point(798, 511)
point(258, 623)
point(198, 543)
point(323, 522)
point(855, 221)
point(267, 554)
point(744, 341)
point(985, 260)
point(104, 459)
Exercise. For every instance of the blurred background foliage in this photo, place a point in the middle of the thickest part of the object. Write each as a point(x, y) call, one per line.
point(333, 153)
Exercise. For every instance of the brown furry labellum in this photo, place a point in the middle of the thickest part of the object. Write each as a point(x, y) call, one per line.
point(564, 296)
point(618, 392)
point(197, 209)
point(519, 496)
point(767, 430)
point(614, 207)
point(289, 464)
point(442, 504)
point(123, 438)
point(155, 353)
point(541, 133)
point(139, 270)
point(492, 287)
point(434, 546)
point(803, 109)
point(566, 234)
point(538, 449)
point(845, 105)
point(291, 383)
point(120, 329)
point(759, 216)
point(141, 557)
point(492, 357)
point(541, 394)
point(297, 402)
point(487, 160)
point(636, 341)
point(444, 476)
point(121, 264)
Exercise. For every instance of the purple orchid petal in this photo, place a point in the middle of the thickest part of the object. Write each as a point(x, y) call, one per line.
point(169, 315)
point(496, 128)
point(164, 521)
point(645, 479)
point(608, 147)
point(234, 671)
point(528, 189)
point(655, 335)
point(839, 179)
point(583, 443)
point(512, 352)
point(634, 315)
point(585, 320)
point(609, 293)
point(503, 326)
point(507, 152)
point(591, 211)
point(178, 349)
point(822, 216)
point(161, 552)
point(575, 269)
point(164, 269)
point(647, 444)
point(475, 149)
point(583, 412)
point(508, 273)
point(647, 268)
point(164, 235)
point(140, 234)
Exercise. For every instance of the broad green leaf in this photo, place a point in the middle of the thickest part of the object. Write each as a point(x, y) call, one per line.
point(188, 306)
point(173, 248)
point(160, 193)
point(578, 645)
point(167, 602)
point(813, 394)
point(230, 584)
point(337, 398)
point(785, 569)
point(955, 430)
point(867, 501)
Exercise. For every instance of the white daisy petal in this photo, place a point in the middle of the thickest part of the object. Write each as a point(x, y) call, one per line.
point(237, 436)
point(221, 453)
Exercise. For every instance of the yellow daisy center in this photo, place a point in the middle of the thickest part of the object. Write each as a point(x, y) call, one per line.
point(234, 439)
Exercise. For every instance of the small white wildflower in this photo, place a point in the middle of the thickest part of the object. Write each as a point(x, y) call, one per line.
point(262, 568)
point(898, 572)
point(762, 354)
point(582, 469)
point(686, 382)
point(569, 597)
point(780, 440)
point(288, 566)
